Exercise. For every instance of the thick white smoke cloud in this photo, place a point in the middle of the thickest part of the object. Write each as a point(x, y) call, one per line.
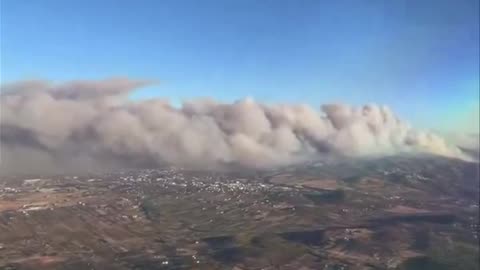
point(92, 124)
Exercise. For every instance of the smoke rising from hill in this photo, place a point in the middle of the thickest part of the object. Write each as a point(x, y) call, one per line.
point(92, 125)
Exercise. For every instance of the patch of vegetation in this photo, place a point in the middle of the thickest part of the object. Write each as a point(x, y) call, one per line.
point(445, 256)
point(268, 249)
point(353, 179)
point(149, 209)
point(327, 196)
point(421, 240)
point(275, 250)
point(310, 238)
point(422, 263)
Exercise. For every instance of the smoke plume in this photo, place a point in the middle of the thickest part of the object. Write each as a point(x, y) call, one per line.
point(94, 125)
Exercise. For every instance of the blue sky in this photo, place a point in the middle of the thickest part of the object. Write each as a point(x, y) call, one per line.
point(419, 57)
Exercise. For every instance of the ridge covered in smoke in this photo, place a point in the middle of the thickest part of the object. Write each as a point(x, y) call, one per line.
point(93, 124)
